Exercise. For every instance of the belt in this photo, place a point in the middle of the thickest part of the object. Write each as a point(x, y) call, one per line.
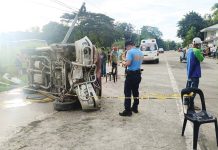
point(133, 72)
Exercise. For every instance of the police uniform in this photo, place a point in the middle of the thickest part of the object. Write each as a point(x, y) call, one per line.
point(133, 79)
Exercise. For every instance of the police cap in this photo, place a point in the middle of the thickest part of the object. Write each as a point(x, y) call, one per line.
point(130, 42)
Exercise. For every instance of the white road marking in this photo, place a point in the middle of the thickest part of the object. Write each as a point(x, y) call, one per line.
point(188, 131)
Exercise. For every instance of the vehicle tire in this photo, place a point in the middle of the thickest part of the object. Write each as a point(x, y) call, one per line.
point(157, 61)
point(64, 106)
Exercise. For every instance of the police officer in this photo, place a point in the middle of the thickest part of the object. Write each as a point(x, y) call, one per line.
point(133, 78)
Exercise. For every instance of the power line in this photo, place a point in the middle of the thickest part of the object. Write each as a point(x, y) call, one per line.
point(42, 4)
point(64, 5)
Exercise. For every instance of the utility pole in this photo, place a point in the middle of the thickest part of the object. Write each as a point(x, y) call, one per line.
point(139, 36)
point(66, 38)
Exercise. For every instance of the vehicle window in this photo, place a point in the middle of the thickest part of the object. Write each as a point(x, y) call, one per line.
point(148, 47)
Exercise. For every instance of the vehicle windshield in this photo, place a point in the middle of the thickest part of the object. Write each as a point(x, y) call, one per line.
point(152, 47)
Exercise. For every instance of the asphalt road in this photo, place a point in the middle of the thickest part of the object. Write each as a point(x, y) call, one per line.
point(26, 125)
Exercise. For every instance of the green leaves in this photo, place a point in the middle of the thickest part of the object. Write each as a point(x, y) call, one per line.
point(98, 27)
point(215, 13)
point(149, 32)
point(190, 27)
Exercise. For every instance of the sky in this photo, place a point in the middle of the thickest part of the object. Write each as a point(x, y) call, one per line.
point(22, 15)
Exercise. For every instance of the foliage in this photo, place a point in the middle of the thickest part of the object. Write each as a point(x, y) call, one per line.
point(208, 19)
point(54, 32)
point(120, 44)
point(148, 32)
point(4, 88)
point(170, 45)
point(192, 19)
point(98, 27)
point(215, 13)
point(161, 43)
point(189, 36)
point(125, 30)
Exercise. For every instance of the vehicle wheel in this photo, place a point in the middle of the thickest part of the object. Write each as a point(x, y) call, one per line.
point(64, 106)
point(157, 61)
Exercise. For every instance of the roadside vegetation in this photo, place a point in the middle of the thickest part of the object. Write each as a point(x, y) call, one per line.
point(9, 51)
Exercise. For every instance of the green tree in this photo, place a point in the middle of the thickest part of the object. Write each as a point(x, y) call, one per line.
point(178, 45)
point(215, 13)
point(208, 19)
point(148, 32)
point(120, 44)
point(161, 43)
point(189, 36)
point(54, 32)
point(170, 45)
point(125, 30)
point(98, 27)
point(192, 19)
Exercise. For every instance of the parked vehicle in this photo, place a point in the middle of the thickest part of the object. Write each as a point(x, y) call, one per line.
point(149, 48)
point(161, 50)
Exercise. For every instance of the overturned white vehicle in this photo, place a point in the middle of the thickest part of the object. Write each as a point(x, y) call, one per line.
point(68, 71)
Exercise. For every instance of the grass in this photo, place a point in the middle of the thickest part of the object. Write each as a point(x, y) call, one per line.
point(6, 85)
point(4, 88)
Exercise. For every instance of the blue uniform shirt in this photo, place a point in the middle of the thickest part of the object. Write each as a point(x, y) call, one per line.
point(135, 56)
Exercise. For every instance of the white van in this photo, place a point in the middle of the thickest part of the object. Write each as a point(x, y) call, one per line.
point(149, 48)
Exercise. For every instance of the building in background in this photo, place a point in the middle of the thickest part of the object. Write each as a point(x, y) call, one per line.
point(211, 35)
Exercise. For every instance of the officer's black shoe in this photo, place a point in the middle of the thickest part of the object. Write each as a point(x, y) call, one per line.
point(125, 113)
point(135, 110)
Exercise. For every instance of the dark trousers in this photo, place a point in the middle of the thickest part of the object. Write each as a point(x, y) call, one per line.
point(114, 68)
point(103, 68)
point(131, 87)
point(192, 82)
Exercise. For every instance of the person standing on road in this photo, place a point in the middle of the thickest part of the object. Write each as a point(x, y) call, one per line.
point(194, 57)
point(103, 62)
point(133, 78)
point(114, 60)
